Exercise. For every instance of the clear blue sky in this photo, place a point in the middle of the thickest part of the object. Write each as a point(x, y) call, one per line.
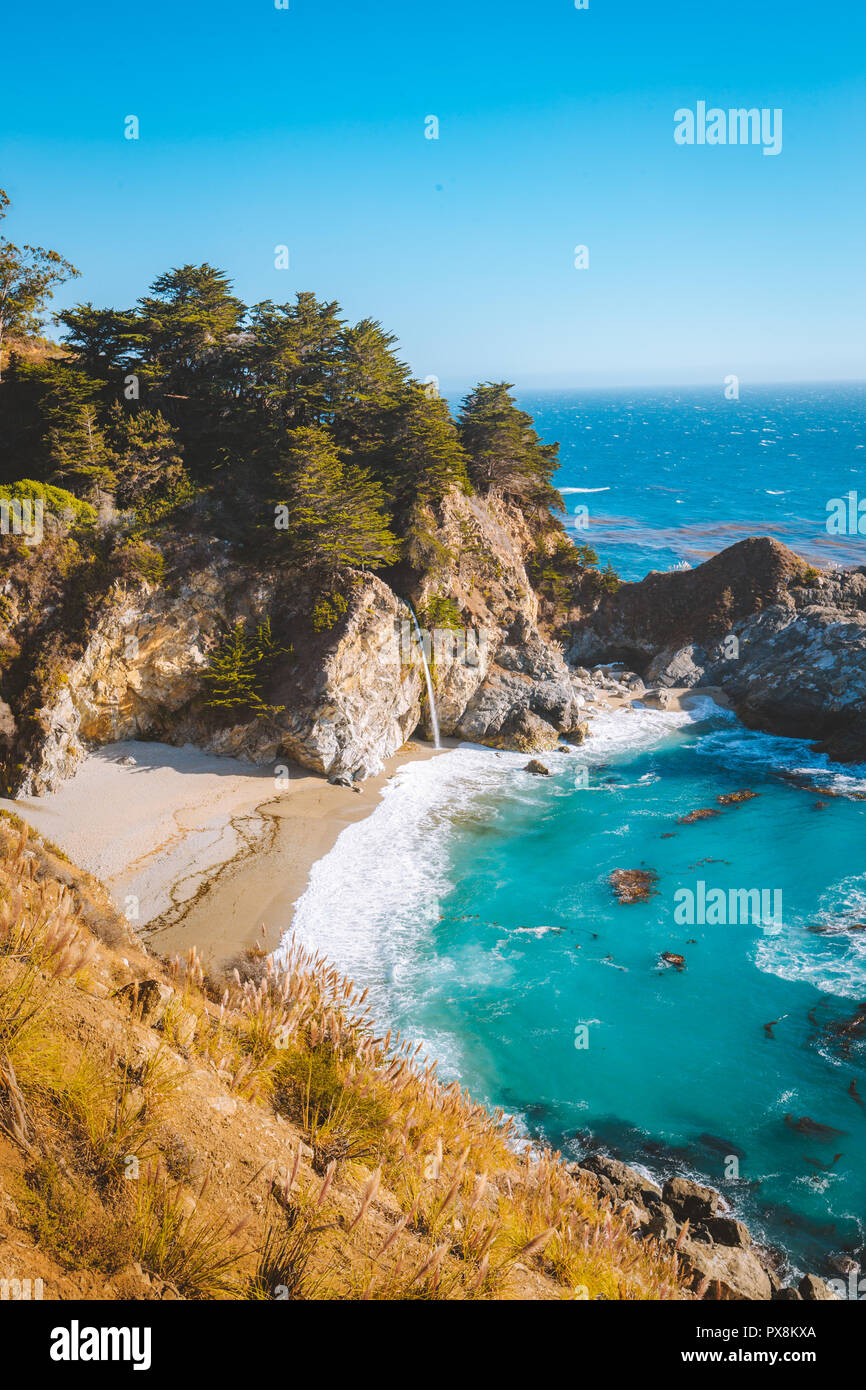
point(306, 127)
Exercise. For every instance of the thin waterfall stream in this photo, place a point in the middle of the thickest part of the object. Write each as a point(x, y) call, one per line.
point(431, 699)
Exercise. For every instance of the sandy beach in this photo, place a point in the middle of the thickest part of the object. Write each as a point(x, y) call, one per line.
point(207, 851)
point(199, 850)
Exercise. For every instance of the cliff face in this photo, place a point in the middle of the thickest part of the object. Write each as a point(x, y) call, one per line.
point(344, 700)
point(667, 611)
point(513, 688)
point(786, 644)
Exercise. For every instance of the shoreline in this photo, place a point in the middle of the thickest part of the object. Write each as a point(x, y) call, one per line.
point(250, 900)
point(199, 850)
point(204, 850)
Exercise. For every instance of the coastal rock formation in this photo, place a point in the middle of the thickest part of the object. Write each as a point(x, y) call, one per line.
point(339, 701)
point(528, 699)
point(716, 1253)
point(346, 704)
point(731, 1273)
point(141, 664)
point(786, 644)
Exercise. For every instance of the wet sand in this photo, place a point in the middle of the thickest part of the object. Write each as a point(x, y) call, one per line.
point(199, 850)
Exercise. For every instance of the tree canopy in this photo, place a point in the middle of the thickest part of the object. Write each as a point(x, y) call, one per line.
point(504, 449)
point(277, 424)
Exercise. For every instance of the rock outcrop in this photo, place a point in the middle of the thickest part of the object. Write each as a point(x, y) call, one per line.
point(786, 644)
point(340, 701)
point(715, 1252)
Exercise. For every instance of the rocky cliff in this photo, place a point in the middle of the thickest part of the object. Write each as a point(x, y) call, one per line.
point(786, 643)
point(340, 701)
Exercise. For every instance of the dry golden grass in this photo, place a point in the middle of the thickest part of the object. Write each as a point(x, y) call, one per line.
point(396, 1186)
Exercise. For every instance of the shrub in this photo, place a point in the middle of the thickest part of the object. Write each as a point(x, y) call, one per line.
point(239, 668)
point(439, 611)
point(139, 560)
point(56, 500)
point(328, 609)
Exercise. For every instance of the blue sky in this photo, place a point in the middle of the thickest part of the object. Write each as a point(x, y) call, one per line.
point(305, 127)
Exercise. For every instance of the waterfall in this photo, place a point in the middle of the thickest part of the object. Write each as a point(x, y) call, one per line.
point(434, 718)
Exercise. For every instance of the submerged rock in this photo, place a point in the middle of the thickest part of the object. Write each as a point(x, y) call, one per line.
point(538, 768)
point(634, 885)
point(703, 813)
point(734, 798)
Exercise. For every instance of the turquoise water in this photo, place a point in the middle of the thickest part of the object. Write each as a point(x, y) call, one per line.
point(486, 925)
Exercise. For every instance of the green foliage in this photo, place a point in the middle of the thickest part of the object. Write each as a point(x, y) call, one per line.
point(139, 560)
point(421, 458)
point(295, 356)
point(147, 458)
point(28, 277)
point(567, 574)
point(334, 512)
point(160, 507)
point(103, 340)
point(439, 611)
point(244, 409)
point(54, 499)
point(240, 667)
point(610, 580)
point(328, 609)
point(51, 418)
point(65, 1220)
point(504, 450)
point(188, 315)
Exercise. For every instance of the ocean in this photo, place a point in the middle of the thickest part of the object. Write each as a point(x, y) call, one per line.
point(476, 903)
point(670, 477)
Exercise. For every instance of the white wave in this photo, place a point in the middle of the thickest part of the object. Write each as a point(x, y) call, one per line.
point(830, 966)
point(741, 746)
point(833, 961)
point(566, 491)
point(374, 900)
